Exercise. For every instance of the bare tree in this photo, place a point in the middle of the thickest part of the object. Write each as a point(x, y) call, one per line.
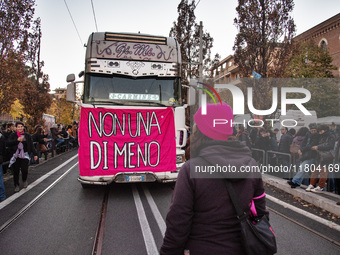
point(187, 33)
point(265, 32)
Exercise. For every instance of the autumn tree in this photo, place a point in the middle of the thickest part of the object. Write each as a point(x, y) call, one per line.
point(15, 19)
point(65, 112)
point(187, 33)
point(36, 98)
point(265, 32)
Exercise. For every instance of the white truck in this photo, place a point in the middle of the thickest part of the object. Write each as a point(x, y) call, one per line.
point(132, 125)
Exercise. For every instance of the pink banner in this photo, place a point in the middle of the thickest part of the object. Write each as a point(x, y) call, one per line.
point(126, 140)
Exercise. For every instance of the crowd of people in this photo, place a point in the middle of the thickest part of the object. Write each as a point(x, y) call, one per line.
point(306, 147)
point(19, 148)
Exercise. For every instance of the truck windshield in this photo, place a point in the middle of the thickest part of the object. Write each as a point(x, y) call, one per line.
point(126, 90)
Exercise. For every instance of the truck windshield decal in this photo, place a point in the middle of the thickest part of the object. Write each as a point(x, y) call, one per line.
point(129, 96)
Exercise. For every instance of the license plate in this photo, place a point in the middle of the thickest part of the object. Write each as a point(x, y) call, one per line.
point(135, 178)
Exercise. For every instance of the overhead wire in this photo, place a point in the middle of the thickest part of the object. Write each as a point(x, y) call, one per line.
point(94, 16)
point(82, 44)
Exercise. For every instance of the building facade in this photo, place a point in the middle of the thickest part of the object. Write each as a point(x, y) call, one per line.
point(327, 36)
point(225, 71)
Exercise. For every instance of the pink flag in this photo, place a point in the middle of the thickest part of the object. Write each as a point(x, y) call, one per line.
point(126, 140)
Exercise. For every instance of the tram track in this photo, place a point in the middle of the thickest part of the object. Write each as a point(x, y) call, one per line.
point(99, 237)
point(32, 202)
point(305, 227)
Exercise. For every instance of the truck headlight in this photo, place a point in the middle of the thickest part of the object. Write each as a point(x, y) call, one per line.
point(180, 158)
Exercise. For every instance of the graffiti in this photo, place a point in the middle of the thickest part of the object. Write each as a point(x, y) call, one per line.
point(138, 51)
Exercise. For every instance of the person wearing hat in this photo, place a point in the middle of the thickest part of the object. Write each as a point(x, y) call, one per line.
point(307, 155)
point(201, 217)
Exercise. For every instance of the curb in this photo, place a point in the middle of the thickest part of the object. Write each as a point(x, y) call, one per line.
point(319, 200)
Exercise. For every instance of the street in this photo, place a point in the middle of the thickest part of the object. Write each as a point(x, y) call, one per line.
point(55, 215)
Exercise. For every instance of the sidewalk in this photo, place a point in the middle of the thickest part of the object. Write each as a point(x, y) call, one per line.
point(325, 200)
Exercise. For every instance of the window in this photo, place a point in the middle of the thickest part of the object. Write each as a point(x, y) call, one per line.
point(323, 45)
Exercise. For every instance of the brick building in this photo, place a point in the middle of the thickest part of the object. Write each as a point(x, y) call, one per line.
point(325, 34)
point(225, 71)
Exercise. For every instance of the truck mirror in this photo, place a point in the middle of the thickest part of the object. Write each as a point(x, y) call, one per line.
point(71, 92)
point(191, 96)
point(70, 78)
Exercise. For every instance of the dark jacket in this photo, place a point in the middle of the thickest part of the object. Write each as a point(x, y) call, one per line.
point(327, 143)
point(202, 217)
point(273, 144)
point(55, 133)
point(285, 142)
point(2, 147)
point(306, 145)
point(244, 137)
point(39, 138)
point(28, 143)
point(262, 143)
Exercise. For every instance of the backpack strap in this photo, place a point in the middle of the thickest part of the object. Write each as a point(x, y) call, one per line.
point(241, 215)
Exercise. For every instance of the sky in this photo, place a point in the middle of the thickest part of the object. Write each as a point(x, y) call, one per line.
point(62, 43)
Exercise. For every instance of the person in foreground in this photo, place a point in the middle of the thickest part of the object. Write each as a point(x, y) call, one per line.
point(202, 218)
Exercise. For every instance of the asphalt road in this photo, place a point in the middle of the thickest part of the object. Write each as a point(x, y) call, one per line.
point(66, 218)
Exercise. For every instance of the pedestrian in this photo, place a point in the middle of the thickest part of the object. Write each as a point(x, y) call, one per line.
point(40, 137)
point(57, 136)
point(284, 148)
point(10, 128)
point(23, 143)
point(202, 218)
point(243, 136)
point(307, 156)
point(2, 154)
point(326, 143)
point(276, 131)
point(75, 131)
point(273, 146)
point(262, 143)
point(295, 145)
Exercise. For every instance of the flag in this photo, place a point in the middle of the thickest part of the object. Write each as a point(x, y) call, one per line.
point(256, 75)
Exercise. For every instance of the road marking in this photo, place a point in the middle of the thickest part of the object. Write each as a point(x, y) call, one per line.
point(156, 213)
point(25, 208)
point(33, 184)
point(149, 241)
point(328, 223)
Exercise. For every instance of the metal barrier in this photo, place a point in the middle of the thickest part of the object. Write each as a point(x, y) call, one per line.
point(263, 154)
point(279, 153)
point(266, 157)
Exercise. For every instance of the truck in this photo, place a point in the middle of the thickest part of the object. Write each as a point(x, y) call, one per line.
point(132, 116)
